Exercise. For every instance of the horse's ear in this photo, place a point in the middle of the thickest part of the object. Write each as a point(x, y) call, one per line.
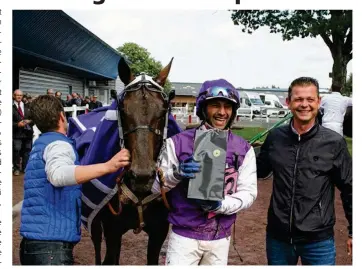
point(162, 76)
point(124, 72)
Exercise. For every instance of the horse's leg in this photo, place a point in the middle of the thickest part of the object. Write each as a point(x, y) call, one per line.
point(112, 228)
point(96, 235)
point(156, 237)
point(157, 230)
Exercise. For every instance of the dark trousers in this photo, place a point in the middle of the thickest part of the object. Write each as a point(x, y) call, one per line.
point(21, 149)
point(33, 252)
point(314, 253)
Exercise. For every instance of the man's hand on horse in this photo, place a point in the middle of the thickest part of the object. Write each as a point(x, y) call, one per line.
point(187, 169)
point(121, 159)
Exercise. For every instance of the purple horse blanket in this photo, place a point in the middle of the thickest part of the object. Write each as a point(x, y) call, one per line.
point(97, 140)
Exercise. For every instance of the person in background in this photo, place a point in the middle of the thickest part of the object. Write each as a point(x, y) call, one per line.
point(25, 99)
point(51, 211)
point(334, 107)
point(50, 92)
point(307, 161)
point(58, 95)
point(94, 103)
point(22, 133)
point(86, 101)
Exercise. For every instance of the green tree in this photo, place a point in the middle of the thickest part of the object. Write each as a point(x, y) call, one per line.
point(333, 26)
point(141, 61)
point(347, 89)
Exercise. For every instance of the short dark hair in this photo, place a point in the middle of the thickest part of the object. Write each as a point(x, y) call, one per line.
point(303, 81)
point(45, 112)
point(56, 93)
point(336, 88)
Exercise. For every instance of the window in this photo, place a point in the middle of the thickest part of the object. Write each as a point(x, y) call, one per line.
point(247, 101)
point(277, 104)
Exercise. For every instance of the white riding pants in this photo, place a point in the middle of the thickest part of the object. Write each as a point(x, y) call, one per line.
point(187, 251)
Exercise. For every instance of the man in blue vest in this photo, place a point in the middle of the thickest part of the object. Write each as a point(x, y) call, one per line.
point(201, 229)
point(51, 212)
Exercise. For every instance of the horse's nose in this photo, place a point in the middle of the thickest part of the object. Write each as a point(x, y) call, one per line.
point(143, 174)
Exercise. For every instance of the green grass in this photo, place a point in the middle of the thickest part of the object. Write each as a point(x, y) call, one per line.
point(349, 144)
point(249, 132)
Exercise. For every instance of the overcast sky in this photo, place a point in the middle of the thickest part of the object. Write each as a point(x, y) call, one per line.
point(206, 45)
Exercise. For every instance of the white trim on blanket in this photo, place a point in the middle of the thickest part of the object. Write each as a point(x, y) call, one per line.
point(100, 206)
point(100, 186)
point(88, 202)
point(80, 125)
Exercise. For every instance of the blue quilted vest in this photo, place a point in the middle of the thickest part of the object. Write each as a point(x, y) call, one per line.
point(49, 213)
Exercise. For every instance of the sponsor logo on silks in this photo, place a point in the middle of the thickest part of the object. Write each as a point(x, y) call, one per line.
point(216, 153)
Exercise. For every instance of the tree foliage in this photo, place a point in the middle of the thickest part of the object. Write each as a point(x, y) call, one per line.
point(333, 26)
point(142, 61)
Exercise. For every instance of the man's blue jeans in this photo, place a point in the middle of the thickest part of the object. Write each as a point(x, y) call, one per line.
point(315, 253)
point(34, 252)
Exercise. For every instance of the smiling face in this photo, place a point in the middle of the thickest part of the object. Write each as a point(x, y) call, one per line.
point(218, 112)
point(304, 103)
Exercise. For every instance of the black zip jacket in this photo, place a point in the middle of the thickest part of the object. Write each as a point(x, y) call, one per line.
point(305, 170)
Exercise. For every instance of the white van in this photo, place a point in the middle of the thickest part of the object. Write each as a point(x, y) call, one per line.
point(250, 101)
point(273, 102)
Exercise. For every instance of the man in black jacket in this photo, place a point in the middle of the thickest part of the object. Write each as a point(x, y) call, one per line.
point(307, 160)
point(22, 132)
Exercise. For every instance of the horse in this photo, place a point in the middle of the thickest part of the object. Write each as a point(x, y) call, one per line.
point(143, 121)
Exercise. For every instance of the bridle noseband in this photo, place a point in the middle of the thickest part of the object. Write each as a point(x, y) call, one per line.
point(142, 81)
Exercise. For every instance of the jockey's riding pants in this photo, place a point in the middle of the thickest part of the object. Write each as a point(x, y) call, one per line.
point(187, 251)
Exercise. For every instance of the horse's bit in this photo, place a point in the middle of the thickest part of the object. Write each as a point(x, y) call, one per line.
point(125, 194)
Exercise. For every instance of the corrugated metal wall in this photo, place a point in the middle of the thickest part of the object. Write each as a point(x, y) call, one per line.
point(36, 83)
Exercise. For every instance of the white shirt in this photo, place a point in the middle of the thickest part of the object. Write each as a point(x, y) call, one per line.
point(59, 160)
point(21, 106)
point(335, 106)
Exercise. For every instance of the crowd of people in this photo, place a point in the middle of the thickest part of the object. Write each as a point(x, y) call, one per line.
point(23, 125)
point(306, 158)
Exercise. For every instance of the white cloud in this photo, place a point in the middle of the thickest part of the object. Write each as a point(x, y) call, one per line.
point(206, 45)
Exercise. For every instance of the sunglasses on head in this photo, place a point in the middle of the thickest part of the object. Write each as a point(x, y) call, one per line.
point(217, 91)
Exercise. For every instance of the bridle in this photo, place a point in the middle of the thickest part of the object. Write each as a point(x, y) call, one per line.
point(124, 193)
point(142, 81)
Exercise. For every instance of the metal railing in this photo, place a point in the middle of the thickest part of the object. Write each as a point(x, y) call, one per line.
point(74, 109)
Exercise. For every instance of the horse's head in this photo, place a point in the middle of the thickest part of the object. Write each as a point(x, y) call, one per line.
point(143, 109)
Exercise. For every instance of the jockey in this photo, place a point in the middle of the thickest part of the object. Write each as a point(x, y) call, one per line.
point(51, 212)
point(201, 229)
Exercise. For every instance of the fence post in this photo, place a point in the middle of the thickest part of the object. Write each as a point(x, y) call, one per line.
point(86, 109)
point(251, 114)
point(267, 116)
point(74, 113)
point(190, 119)
point(174, 116)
